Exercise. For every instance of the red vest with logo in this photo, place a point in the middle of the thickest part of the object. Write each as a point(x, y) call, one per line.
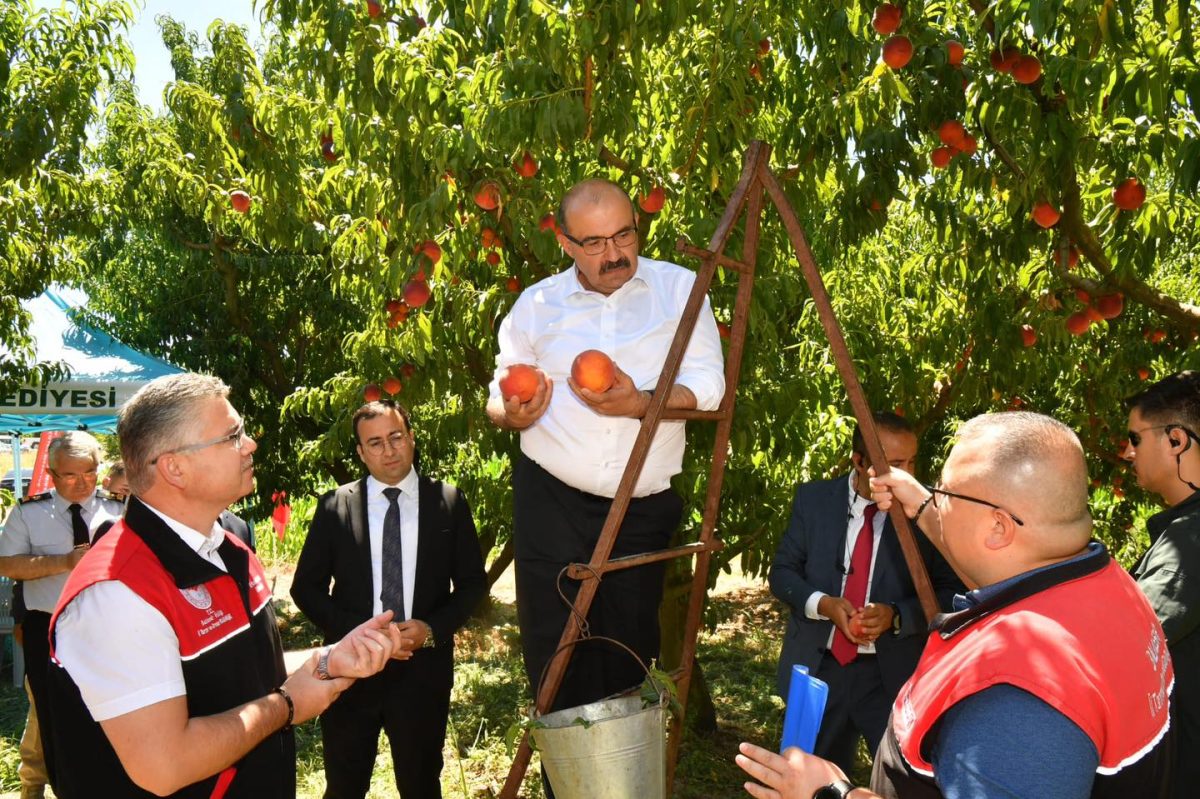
point(1090, 647)
point(229, 650)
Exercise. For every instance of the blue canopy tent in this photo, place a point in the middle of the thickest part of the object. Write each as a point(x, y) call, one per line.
point(102, 374)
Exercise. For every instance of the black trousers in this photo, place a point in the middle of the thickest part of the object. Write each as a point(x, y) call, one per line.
point(35, 630)
point(858, 704)
point(554, 525)
point(410, 701)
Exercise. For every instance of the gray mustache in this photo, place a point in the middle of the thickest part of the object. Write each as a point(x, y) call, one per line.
point(620, 263)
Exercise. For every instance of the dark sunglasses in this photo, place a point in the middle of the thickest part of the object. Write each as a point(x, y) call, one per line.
point(936, 491)
point(1135, 436)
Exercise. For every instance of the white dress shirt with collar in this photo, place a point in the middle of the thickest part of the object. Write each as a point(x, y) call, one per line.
point(856, 509)
point(377, 506)
point(43, 527)
point(557, 318)
point(127, 649)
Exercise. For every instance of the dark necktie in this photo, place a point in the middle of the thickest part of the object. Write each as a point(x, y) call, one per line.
point(855, 591)
point(79, 528)
point(392, 595)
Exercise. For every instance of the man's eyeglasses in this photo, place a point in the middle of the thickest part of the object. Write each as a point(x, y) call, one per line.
point(936, 491)
point(394, 441)
point(74, 477)
point(237, 438)
point(1135, 436)
point(594, 245)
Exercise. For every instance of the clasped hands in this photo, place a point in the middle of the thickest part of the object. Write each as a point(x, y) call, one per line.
point(861, 625)
point(366, 649)
point(362, 652)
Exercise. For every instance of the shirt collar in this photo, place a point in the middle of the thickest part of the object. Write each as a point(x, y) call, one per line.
point(407, 486)
point(988, 592)
point(201, 544)
point(574, 286)
point(61, 504)
point(1164, 519)
point(856, 502)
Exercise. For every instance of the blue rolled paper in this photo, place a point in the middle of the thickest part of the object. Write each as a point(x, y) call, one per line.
point(805, 708)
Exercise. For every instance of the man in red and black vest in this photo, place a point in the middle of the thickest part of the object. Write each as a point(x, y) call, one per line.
point(1051, 678)
point(168, 675)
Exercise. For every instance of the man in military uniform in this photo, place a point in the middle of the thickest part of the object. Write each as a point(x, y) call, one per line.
point(42, 540)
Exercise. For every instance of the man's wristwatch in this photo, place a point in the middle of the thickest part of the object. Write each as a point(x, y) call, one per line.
point(323, 664)
point(834, 790)
point(429, 642)
point(895, 619)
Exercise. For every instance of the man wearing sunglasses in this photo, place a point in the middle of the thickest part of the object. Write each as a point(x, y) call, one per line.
point(400, 541)
point(1050, 679)
point(168, 675)
point(575, 443)
point(1165, 452)
point(42, 541)
point(856, 621)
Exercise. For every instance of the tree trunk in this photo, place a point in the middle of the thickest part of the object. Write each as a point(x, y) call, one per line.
point(672, 617)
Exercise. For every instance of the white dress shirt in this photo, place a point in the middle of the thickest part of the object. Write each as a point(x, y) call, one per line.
point(856, 510)
point(121, 652)
point(377, 507)
point(557, 318)
point(43, 527)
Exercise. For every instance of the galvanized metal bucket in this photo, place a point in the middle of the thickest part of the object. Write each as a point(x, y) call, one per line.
point(617, 751)
point(615, 748)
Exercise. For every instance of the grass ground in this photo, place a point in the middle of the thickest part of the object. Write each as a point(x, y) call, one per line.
point(738, 653)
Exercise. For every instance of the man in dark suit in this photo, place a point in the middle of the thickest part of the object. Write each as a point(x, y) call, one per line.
point(407, 543)
point(856, 621)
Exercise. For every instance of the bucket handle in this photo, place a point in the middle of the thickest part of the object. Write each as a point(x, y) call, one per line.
point(582, 639)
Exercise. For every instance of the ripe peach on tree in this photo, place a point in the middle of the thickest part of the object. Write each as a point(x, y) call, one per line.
point(897, 52)
point(1129, 195)
point(886, 19)
point(653, 201)
point(240, 201)
point(1045, 214)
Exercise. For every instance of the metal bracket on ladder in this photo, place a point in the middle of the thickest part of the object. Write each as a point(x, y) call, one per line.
point(756, 178)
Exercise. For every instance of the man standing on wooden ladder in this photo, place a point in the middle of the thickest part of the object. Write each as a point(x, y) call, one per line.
point(576, 443)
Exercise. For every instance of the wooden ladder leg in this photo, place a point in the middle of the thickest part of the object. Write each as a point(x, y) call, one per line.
point(712, 504)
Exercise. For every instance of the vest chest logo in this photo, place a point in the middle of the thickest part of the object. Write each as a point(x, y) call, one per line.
point(908, 715)
point(198, 597)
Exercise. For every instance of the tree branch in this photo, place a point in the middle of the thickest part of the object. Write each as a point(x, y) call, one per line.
point(1003, 154)
point(1081, 234)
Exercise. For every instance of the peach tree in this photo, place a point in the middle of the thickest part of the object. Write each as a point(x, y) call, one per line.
point(353, 209)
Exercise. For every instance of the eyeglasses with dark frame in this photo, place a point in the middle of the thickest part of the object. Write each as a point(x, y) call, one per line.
point(74, 477)
point(935, 491)
point(237, 438)
point(1135, 436)
point(394, 440)
point(594, 245)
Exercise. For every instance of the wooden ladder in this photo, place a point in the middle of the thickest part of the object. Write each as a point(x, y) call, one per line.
point(756, 178)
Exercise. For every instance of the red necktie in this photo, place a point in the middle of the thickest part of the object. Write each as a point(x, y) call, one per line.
point(855, 591)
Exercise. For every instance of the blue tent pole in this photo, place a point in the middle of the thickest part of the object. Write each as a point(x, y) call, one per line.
point(18, 488)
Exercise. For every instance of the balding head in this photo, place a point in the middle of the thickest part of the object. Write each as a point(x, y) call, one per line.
point(1033, 466)
point(595, 192)
point(598, 230)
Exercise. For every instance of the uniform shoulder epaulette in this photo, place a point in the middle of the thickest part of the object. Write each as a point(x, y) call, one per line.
point(102, 494)
point(35, 498)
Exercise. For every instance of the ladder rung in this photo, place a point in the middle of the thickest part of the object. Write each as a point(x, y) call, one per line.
point(703, 254)
point(582, 571)
point(693, 415)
